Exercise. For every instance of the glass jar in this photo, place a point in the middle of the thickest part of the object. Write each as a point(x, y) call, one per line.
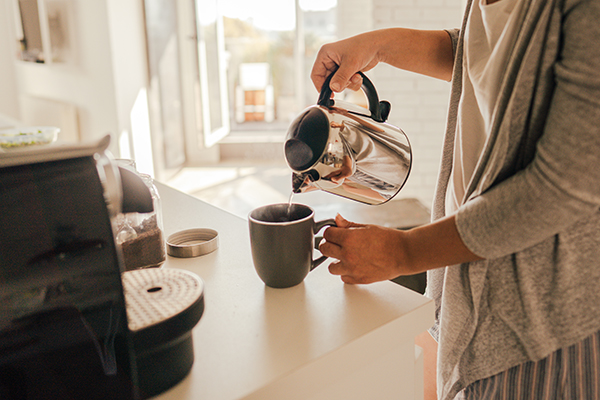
point(140, 235)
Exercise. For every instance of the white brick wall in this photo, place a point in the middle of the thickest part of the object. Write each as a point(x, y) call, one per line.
point(419, 104)
point(354, 16)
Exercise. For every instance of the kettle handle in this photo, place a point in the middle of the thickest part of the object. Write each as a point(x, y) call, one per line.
point(379, 109)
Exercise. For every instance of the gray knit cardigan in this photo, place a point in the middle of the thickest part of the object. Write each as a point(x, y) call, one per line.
point(532, 209)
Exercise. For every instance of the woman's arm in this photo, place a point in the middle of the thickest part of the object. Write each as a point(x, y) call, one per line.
point(426, 52)
point(370, 253)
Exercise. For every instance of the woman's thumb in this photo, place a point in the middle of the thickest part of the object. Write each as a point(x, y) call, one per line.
point(341, 222)
point(341, 79)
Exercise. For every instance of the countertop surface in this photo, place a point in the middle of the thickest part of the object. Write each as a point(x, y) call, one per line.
point(250, 335)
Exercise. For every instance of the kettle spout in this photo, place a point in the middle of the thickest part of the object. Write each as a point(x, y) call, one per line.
point(305, 181)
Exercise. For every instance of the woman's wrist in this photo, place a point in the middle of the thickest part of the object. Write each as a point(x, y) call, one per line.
point(426, 52)
point(435, 245)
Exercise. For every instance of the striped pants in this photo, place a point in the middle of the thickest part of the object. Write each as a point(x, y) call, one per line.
point(572, 373)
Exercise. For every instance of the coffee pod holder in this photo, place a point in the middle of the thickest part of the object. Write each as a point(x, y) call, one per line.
point(163, 305)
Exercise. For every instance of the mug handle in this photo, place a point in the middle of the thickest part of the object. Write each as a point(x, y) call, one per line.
point(318, 226)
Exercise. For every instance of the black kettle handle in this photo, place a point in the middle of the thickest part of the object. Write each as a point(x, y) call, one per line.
point(379, 109)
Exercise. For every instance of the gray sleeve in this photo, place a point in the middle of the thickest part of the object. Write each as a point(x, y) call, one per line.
point(561, 185)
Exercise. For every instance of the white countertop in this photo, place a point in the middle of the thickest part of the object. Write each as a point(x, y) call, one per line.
point(253, 340)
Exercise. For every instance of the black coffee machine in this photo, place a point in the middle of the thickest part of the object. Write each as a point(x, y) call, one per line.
point(64, 330)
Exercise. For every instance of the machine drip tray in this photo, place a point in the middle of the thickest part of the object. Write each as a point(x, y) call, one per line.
point(163, 306)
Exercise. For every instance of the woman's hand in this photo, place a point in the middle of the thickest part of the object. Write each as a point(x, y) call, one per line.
point(422, 51)
point(371, 253)
point(350, 55)
point(366, 253)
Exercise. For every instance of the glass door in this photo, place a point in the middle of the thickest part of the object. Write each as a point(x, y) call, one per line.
point(213, 97)
point(187, 89)
point(270, 48)
point(165, 97)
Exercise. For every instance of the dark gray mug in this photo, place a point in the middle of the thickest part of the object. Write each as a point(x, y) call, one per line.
point(282, 243)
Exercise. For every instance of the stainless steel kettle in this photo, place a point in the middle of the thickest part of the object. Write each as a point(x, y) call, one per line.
point(348, 150)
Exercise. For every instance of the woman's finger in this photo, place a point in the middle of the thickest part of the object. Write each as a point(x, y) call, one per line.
point(339, 268)
point(322, 68)
point(330, 249)
point(355, 82)
point(344, 223)
point(335, 235)
point(350, 280)
point(335, 268)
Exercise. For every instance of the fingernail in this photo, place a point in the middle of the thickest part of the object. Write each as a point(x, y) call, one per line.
point(335, 86)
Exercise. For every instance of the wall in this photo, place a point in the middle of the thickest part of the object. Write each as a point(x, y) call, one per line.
point(86, 82)
point(107, 79)
point(127, 42)
point(419, 104)
point(354, 17)
point(104, 78)
point(8, 106)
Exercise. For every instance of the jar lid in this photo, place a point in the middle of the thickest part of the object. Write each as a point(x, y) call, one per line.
point(192, 243)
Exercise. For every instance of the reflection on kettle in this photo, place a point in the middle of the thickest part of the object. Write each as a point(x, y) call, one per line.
point(347, 150)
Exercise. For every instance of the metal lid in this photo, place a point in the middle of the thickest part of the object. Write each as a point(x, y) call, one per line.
point(192, 242)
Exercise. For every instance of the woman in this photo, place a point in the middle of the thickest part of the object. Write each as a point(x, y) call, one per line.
point(512, 252)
